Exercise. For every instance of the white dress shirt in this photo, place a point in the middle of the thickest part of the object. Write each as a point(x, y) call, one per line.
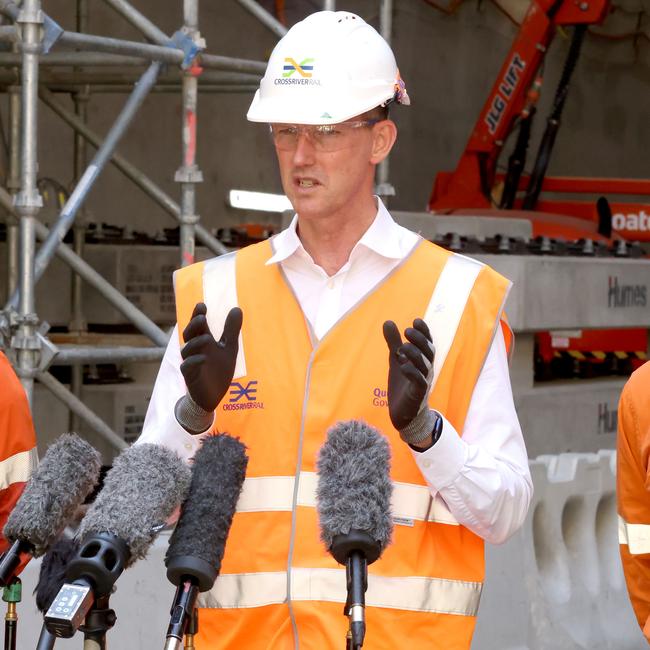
point(483, 477)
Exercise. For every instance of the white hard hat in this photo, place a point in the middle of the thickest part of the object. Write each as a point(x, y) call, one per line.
point(327, 68)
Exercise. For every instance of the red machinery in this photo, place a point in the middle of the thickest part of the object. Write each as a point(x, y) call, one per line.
point(475, 187)
point(511, 103)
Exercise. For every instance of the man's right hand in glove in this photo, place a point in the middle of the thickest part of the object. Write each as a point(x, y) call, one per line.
point(208, 367)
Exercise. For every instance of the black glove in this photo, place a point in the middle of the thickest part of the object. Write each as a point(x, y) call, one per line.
point(410, 376)
point(208, 365)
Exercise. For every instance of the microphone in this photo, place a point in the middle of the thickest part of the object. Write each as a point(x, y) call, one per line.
point(141, 491)
point(197, 544)
point(63, 479)
point(353, 504)
point(50, 579)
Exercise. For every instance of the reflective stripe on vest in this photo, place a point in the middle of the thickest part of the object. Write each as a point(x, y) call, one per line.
point(448, 303)
point(18, 468)
point(410, 593)
point(275, 493)
point(636, 536)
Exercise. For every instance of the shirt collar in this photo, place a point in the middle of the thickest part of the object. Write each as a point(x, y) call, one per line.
point(382, 237)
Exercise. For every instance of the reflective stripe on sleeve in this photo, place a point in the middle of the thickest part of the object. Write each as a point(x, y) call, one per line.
point(411, 593)
point(275, 493)
point(636, 536)
point(18, 468)
point(447, 304)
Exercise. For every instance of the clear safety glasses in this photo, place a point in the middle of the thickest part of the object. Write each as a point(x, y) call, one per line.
point(324, 137)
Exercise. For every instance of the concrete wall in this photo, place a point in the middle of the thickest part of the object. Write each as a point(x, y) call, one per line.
point(448, 62)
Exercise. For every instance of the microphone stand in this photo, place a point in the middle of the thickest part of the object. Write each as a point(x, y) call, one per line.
point(356, 550)
point(192, 629)
point(10, 561)
point(11, 594)
point(99, 620)
point(183, 615)
point(46, 640)
point(356, 570)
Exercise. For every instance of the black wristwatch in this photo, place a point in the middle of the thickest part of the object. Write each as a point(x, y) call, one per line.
point(435, 434)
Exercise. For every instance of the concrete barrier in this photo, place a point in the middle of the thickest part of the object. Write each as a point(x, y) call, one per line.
point(556, 585)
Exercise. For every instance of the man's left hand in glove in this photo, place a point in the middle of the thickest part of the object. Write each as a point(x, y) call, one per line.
point(410, 376)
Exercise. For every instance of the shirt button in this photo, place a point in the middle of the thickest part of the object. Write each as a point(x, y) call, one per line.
point(426, 463)
point(189, 445)
point(330, 284)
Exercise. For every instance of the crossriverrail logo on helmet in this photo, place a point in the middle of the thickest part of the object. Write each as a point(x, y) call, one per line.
point(304, 69)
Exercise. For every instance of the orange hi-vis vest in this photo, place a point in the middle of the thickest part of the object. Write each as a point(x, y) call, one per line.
point(18, 456)
point(632, 470)
point(278, 588)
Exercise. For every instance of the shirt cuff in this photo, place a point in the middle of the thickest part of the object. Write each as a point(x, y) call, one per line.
point(441, 464)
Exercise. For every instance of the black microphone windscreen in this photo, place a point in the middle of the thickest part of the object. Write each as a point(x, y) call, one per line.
point(64, 477)
point(143, 488)
point(354, 486)
point(218, 474)
point(52, 574)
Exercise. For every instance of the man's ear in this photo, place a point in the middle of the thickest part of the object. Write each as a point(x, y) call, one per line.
point(384, 136)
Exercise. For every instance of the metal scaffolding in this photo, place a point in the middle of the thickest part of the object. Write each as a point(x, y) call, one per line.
point(45, 60)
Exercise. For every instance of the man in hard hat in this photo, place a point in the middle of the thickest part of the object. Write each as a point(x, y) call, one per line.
point(325, 305)
point(632, 470)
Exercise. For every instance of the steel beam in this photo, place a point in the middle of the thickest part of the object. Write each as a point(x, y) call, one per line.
point(80, 409)
point(87, 181)
point(80, 161)
point(217, 62)
point(139, 21)
point(268, 20)
point(9, 33)
point(28, 201)
point(155, 35)
point(92, 43)
point(76, 59)
point(13, 184)
point(189, 174)
point(384, 188)
point(80, 76)
point(132, 172)
point(124, 89)
point(95, 280)
point(80, 355)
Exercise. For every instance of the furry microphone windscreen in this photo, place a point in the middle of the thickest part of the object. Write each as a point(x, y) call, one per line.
point(63, 479)
point(354, 486)
point(218, 474)
point(143, 488)
point(52, 574)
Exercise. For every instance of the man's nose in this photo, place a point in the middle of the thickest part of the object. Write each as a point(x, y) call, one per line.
point(304, 152)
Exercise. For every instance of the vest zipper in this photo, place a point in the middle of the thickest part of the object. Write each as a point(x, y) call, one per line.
point(294, 505)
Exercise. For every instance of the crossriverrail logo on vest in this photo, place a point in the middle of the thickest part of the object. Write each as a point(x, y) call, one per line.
point(242, 397)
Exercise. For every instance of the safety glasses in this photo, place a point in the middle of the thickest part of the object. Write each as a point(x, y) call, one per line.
point(324, 137)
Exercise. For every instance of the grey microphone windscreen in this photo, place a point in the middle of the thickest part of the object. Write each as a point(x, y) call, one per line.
point(354, 486)
point(63, 479)
point(52, 574)
point(218, 474)
point(142, 489)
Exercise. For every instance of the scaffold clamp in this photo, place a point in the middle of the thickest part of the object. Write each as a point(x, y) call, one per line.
point(190, 48)
point(52, 32)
